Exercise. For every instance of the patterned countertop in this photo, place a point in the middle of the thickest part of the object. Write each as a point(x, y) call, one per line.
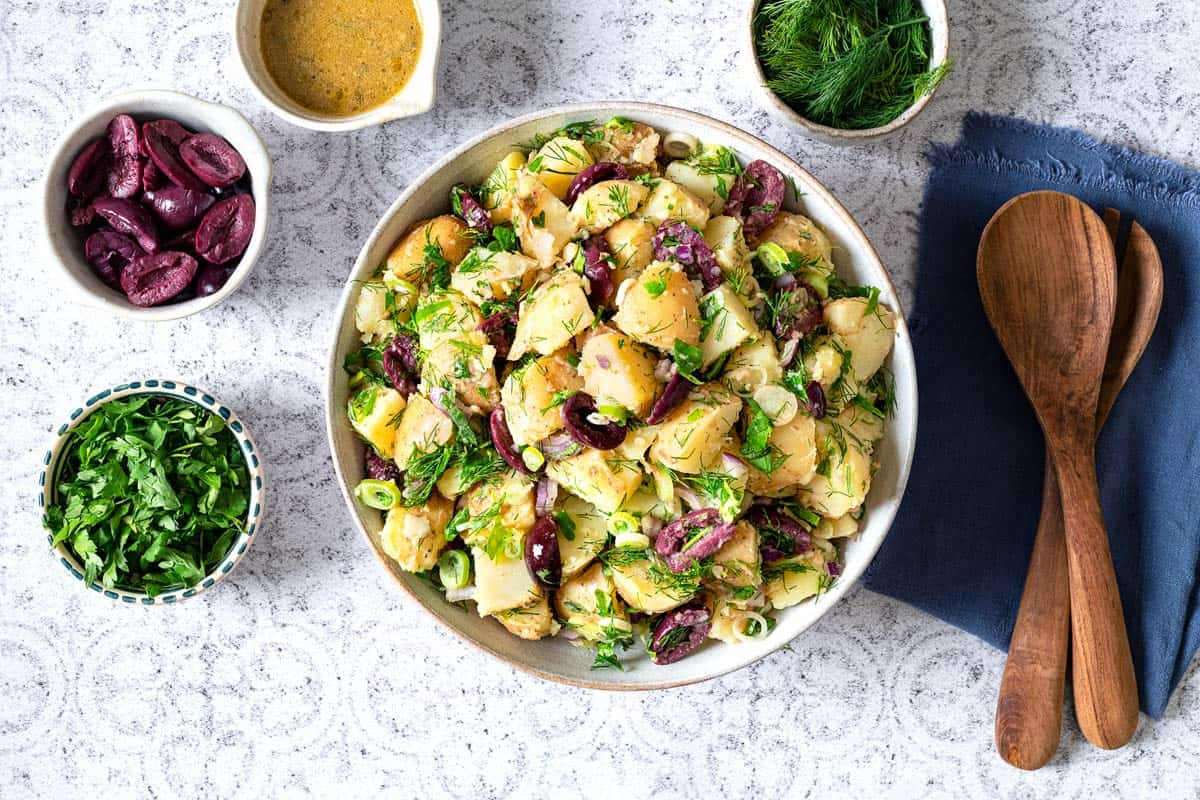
point(307, 673)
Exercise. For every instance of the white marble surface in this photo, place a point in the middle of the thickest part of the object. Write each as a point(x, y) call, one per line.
point(307, 673)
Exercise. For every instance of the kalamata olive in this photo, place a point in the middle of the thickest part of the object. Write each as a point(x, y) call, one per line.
point(577, 413)
point(598, 272)
point(86, 176)
point(679, 632)
point(764, 199)
point(541, 552)
point(123, 175)
point(381, 469)
point(126, 216)
point(156, 278)
point(177, 207)
point(81, 212)
point(696, 535)
point(181, 242)
point(212, 159)
point(225, 230)
point(816, 400)
point(795, 539)
point(400, 364)
point(475, 215)
point(673, 393)
point(502, 439)
point(500, 328)
point(162, 138)
point(108, 254)
point(677, 240)
point(737, 197)
point(151, 177)
point(211, 278)
point(603, 171)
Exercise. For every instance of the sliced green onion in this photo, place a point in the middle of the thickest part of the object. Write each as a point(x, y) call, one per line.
point(514, 547)
point(533, 458)
point(629, 540)
point(614, 411)
point(360, 378)
point(378, 494)
point(623, 522)
point(773, 258)
point(454, 568)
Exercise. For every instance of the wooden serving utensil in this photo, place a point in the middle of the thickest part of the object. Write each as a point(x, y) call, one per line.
point(1029, 708)
point(1047, 278)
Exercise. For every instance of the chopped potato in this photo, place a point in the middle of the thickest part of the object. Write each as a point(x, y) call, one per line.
point(860, 426)
point(465, 364)
point(542, 221)
point(529, 622)
point(618, 370)
point(837, 528)
point(669, 200)
point(578, 603)
point(423, 427)
point(631, 143)
point(558, 162)
point(712, 188)
point(737, 564)
point(506, 502)
point(582, 534)
point(487, 275)
point(646, 584)
point(500, 188)
point(727, 323)
point(868, 336)
point(604, 480)
point(631, 243)
point(379, 308)
point(552, 315)
point(824, 361)
point(417, 253)
point(796, 441)
point(659, 307)
point(533, 397)
point(375, 414)
point(843, 477)
point(796, 233)
point(502, 583)
point(414, 537)
point(724, 237)
point(795, 579)
point(753, 364)
point(605, 203)
point(444, 315)
point(691, 437)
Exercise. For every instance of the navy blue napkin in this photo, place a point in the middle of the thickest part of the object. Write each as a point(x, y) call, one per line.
point(960, 545)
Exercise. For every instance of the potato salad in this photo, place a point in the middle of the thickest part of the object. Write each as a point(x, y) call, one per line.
point(617, 393)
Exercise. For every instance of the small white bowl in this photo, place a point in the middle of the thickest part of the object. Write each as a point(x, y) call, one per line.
point(177, 389)
point(416, 97)
point(939, 28)
point(63, 242)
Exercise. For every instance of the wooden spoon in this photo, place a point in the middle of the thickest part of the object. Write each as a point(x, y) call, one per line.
point(1047, 278)
point(1029, 709)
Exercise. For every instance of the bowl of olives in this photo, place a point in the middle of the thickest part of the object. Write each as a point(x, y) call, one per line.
point(155, 204)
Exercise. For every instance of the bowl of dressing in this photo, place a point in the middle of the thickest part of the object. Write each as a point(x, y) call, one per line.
point(340, 65)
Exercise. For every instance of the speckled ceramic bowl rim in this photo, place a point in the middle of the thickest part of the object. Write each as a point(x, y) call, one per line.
point(592, 111)
point(939, 17)
point(50, 462)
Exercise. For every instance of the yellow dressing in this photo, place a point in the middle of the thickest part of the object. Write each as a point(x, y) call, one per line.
point(340, 57)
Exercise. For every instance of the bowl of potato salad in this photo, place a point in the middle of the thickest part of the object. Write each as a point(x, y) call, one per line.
point(622, 395)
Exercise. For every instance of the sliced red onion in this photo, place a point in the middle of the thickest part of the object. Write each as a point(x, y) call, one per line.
point(664, 369)
point(598, 272)
point(767, 517)
point(788, 354)
point(576, 412)
point(785, 281)
point(834, 568)
point(651, 526)
point(816, 400)
point(672, 395)
point(381, 469)
point(677, 240)
point(689, 496)
point(764, 199)
point(545, 496)
point(400, 364)
point(558, 446)
point(541, 553)
point(674, 541)
point(502, 439)
point(734, 466)
point(603, 171)
point(475, 215)
point(568, 633)
point(694, 618)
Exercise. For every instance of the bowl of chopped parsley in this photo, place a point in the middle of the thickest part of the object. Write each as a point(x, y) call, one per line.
point(151, 492)
point(849, 71)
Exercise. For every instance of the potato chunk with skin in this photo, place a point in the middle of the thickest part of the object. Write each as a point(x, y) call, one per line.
point(737, 564)
point(868, 336)
point(797, 233)
point(558, 162)
point(646, 584)
point(498, 190)
point(502, 583)
point(375, 414)
point(414, 537)
point(712, 188)
point(797, 442)
point(753, 364)
point(838, 528)
point(631, 242)
point(790, 581)
point(423, 427)
point(618, 370)
point(727, 323)
point(824, 361)
point(631, 143)
point(842, 483)
point(605, 203)
point(659, 307)
point(578, 606)
point(529, 622)
point(669, 200)
point(486, 275)
point(542, 221)
point(444, 315)
point(446, 235)
point(582, 534)
point(691, 437)
point(466, 365)
point(530, 407)
point(600, 478)
point(554, 314)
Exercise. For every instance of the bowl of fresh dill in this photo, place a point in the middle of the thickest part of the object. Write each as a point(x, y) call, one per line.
point(849, 71)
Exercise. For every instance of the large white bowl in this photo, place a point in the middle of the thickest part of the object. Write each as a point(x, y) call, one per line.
point(556, 659)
